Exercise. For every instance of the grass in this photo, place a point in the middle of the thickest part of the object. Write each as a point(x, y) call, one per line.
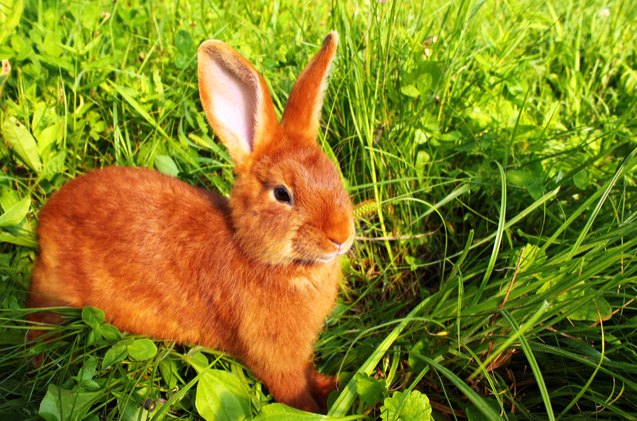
point(490, 146)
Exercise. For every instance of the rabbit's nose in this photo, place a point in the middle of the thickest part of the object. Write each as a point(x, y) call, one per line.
point(337, 243)
point(341, 248)
point(342, 239)
point(338, 228)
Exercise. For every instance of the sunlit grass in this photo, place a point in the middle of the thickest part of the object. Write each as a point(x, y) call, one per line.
point(491, 146)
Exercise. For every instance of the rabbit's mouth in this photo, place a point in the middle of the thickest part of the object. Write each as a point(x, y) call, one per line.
point(340, 250)
point(328, 258)
point(319, 258)
point(323, 256)
point(315, 260)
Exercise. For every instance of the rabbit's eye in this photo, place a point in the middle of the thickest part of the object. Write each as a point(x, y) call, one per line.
point(281, 194)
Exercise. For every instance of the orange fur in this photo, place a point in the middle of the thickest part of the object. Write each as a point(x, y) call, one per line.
point(250, 275)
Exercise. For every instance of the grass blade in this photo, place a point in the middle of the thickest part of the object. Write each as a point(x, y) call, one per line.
point(546, 398)
point(476, 399)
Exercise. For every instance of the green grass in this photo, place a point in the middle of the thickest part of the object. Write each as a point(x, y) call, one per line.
point(490, 144)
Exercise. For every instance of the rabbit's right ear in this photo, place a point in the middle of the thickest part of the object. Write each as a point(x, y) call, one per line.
point(236, 100)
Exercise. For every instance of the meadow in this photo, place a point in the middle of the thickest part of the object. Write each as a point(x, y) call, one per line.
point(489, 148)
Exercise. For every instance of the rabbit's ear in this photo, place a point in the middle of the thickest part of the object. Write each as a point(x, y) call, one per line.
point(303, 110)
point(236, 99)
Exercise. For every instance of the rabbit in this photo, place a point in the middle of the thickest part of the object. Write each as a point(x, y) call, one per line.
point(254, 275)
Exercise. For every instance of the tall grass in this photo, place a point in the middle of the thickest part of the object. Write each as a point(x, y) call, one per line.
point(490, 146)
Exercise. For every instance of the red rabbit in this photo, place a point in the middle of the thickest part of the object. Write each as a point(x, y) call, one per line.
point(254, 275)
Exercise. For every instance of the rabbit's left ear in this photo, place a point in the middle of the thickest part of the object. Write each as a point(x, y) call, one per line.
point(303, 110)
point(236, 100)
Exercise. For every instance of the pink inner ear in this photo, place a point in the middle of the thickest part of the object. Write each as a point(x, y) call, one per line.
point(234, 104)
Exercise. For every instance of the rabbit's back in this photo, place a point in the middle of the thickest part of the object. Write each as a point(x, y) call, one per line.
point(133, 242)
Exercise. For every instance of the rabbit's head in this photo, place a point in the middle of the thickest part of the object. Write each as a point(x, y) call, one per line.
point(288, 204)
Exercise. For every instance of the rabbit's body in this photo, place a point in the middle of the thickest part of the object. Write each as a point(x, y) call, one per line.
point(139, 246)
point(254, 275)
